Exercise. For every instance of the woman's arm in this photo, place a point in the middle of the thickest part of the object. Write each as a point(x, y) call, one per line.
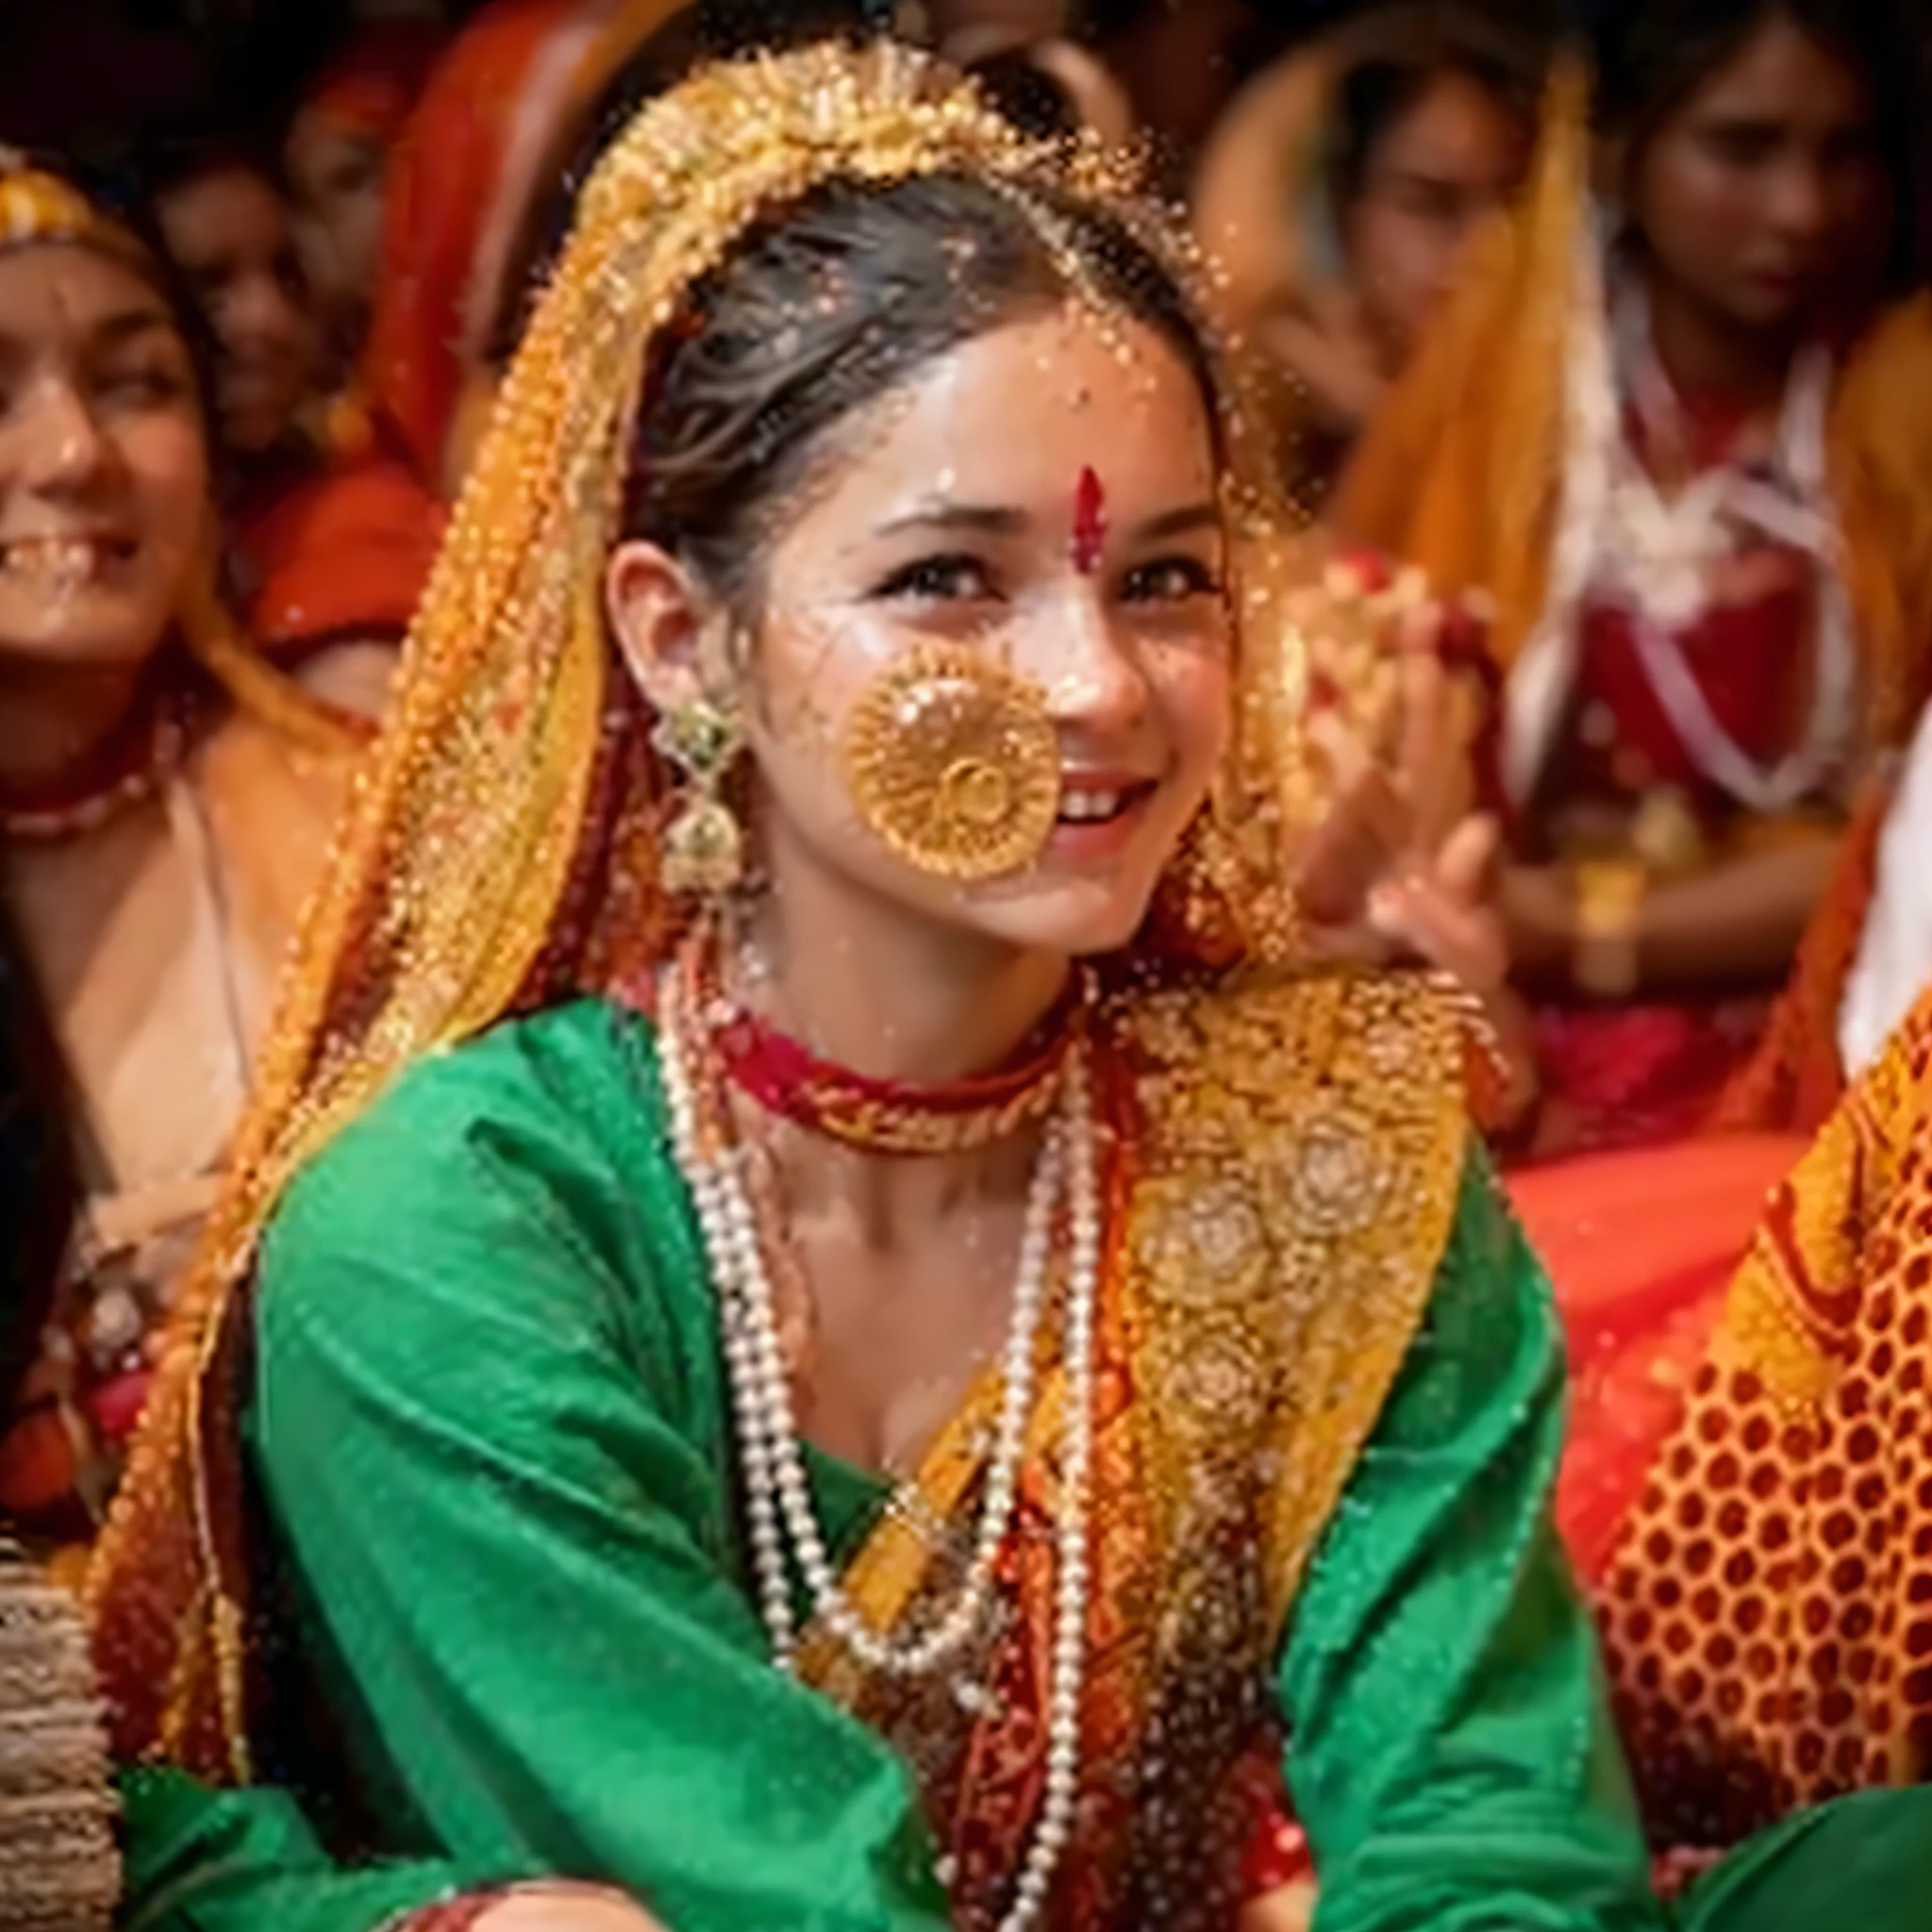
point(516, 1547)
point(1738, 922)
point(1450, 1754)
point(204, 1860)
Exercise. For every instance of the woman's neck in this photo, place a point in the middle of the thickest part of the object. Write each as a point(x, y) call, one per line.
point(890, 995)
point(1711, 359)
point(55, 718)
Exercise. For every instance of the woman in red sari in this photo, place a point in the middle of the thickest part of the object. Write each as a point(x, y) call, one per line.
point(352, 554)
point(1686, 462)
point(337, 160)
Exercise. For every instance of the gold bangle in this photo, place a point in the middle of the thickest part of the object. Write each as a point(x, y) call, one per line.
point(1610, 901)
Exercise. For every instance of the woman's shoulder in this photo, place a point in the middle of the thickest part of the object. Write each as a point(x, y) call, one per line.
point(1282, 1029)
point(561, 1099)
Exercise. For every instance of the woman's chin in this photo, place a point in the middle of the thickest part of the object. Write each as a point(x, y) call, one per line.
point(1076, 918)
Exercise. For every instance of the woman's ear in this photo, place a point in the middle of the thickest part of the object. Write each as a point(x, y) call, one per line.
point(658, 622)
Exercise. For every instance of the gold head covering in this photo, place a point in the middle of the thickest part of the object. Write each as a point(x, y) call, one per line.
point(504, 848)
point(38, 209)
point(1460, 471)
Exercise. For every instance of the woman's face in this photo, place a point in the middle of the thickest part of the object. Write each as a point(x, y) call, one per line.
point(954, 513)
point(233, 237)
point(336, 174)
point(104, 476)
point(1437, 172)
point(1763, 196)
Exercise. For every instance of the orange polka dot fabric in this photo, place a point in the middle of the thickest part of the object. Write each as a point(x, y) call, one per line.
point(1767, 1613)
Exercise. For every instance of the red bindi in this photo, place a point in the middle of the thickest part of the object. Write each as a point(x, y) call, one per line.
point(1089, 521)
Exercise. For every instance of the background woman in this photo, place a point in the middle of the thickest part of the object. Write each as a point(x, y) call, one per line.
point(1338, 193)
point(351, 554)
point(336, 155)
point(164, 802)
point(908, 717)
point(1689, 467)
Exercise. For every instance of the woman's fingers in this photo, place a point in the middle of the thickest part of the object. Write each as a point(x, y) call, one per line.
point(1427, 753)
point(1458, 936)
point(1468, 864)
point(1363, 834)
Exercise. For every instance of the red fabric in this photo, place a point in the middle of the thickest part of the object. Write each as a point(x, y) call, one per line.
point(345, 555)
point(1746, 658)
point(1642, 1246)
point(1747, 650)
point(1640, 1074)
point(442, 186)
point(371, 85)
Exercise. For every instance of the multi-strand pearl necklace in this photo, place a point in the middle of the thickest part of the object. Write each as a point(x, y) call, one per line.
point(782, 1525)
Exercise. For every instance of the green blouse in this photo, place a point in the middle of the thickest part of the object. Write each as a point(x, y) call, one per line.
point(492, 1431)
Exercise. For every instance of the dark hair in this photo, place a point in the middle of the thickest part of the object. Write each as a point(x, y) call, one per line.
point(176, 154)
point(1654, 54)
point(38, 1187)
point(829, 306)
point(1400, 53)
point(1030, 98)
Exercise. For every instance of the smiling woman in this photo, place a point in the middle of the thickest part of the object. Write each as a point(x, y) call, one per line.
point(794, 1159)
point(163, 801)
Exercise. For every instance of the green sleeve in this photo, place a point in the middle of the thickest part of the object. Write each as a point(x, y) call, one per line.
point(487, 1436)
point(1451, 1755)
point(202, 1860)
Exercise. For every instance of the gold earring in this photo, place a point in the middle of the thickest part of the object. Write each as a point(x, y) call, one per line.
point(704, 843)
point(954, 762)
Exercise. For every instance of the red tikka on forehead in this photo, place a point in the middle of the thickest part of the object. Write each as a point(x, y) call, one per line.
point(1089, 521)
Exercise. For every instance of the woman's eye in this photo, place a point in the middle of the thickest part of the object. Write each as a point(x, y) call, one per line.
point(939, 580)
point(1170, 579)
point(142, 388)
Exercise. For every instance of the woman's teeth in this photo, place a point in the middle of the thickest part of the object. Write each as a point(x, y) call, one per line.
point(1090, 808)
point(57, 560)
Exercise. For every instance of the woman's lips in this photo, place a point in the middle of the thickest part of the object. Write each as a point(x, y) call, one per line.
point(1099, 815)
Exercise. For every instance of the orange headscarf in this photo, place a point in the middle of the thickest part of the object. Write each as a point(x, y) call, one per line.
point(373, 83)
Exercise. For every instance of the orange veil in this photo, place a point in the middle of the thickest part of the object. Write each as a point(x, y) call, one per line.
point(504, 849)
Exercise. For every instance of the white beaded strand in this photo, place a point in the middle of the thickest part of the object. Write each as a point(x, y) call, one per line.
point(1055, 1826)
point(773, 1461)
point(778, 1500)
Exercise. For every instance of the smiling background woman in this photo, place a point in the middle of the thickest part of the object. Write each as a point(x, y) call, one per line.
point(164, 800)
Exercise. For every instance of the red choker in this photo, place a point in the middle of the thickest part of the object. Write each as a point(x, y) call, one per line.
point(134, 762)
point(893, 1116)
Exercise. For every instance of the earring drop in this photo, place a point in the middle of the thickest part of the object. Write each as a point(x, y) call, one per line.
point(704, 843)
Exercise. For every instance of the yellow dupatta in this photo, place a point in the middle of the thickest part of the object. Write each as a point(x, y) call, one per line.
point(1261, 1294)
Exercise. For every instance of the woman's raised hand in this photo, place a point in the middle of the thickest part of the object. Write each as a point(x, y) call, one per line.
point(1401, 867)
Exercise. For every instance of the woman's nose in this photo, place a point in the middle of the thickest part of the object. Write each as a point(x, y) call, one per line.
point(1087, 664)
point(55, 440)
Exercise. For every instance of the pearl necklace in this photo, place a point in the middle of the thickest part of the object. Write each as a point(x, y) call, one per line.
point(778, 1495)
